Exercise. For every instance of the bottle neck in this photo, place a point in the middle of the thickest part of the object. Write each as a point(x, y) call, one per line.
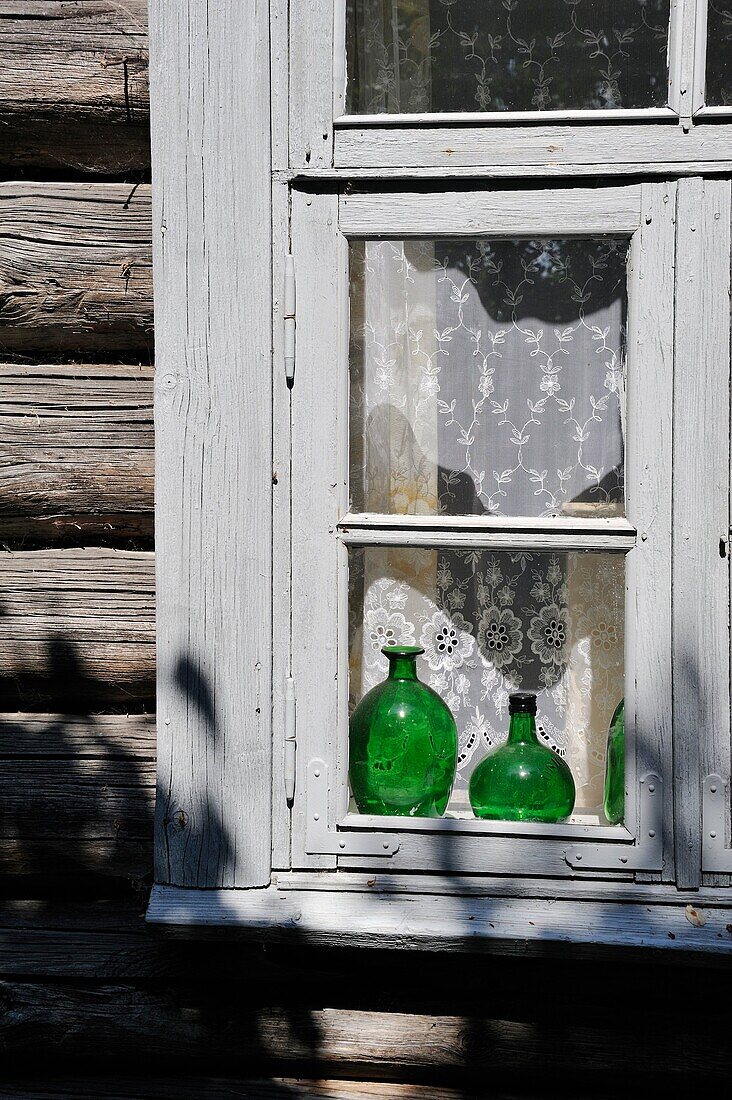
point(403, 667)
point(522, 729)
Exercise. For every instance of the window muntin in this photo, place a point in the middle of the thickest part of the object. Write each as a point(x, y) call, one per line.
point(487, 376)
point(492, 622)
point(499, 56)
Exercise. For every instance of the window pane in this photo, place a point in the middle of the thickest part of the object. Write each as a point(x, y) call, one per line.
point(719, 54)
point(416, 56)
point(495, 622)
point(487, 377)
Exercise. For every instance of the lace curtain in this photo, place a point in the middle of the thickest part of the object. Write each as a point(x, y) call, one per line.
point(487, 378)
point(411, 56)
point(719, 54)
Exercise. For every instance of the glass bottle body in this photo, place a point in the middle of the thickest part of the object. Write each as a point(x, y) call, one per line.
point(615, 767)
point(402, 744)
point(522, 780)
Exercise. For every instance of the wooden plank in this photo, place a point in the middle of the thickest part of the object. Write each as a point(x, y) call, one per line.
point(465, 213)
point(700, 606)
point(648, 486)
point(318, 499)
point(311, 83)
point(211, 156)
point(441, 923)
point(76, 796)
point(78, 628)
point(154, 1087)
point(73, 85)
point(527, 149)
point(76, 458)
point(75, 270)
point(74, 1022)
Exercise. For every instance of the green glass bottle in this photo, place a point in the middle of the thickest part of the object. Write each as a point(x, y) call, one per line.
point(522, 780)
point(615, 767)
point(403, 743)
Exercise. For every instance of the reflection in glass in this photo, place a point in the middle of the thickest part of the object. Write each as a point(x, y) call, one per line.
point(496, 622)
point(417, 56)
point(719, 54)
point(487, 377)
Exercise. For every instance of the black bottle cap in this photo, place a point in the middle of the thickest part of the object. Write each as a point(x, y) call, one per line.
point(522, 702)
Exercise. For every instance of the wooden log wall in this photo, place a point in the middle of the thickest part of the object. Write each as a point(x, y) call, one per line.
point(116, 1010)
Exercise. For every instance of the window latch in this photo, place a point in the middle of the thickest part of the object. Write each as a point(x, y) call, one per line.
point(289, 319)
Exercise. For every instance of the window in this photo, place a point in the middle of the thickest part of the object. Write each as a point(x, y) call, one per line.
point(501, 432)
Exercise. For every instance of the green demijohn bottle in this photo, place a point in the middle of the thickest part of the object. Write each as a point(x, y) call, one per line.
point(403, 743)
point(522, 780)
point(615, 767)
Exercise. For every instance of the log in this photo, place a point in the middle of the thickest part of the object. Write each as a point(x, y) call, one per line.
point(173, 1026)
point(73, 85)
point(78, 629)
point(76, 796)
point(75, 269)
point(76, 452)
point(226, 1088)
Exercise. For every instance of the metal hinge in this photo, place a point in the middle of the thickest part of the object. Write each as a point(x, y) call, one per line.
point(716, 858)
point(321, 839)
point(645, 855)
point(289, 319)
point(290, 740)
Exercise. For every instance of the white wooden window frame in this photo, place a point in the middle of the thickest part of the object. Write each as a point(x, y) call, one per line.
point(227, 136)
point(323, 830)
point(322, 139)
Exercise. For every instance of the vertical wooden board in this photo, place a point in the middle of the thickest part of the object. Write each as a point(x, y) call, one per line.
point(311, 83)
point(318, 495)
point(280, 66)
point(648, 464)
point(700, 602)
point(281, 544)
point(212, 248)
point(681, 56)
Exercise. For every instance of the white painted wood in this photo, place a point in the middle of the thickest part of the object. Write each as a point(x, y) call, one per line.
point(610, 526)
point(497, 118)
point(280, 83)
point(311, 83)
point(699, 10)
point(567, 829)
point(281, 529)
point(494, 540)
point(537, 171)
point(524, 150)
point(701, 638)
point(681, 57)
point(463, 213)
point(648, 481)
point(211, 163)
point(711, 113)
point(318, 495)
point(446, 923)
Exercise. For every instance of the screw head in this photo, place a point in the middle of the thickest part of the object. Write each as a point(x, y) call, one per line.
point(651, 788)
point(385, 845)
point(651, 833)
point(316, 773)
point(316, 817)
point(713, 789)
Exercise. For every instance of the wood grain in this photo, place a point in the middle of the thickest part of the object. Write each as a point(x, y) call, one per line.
point(75, 268)
point(73, 85)
point(78, 628)
point(213, 421)
point(76, 452)
point(76, 796)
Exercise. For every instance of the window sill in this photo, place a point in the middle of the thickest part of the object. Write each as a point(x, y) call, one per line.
point(456, 923)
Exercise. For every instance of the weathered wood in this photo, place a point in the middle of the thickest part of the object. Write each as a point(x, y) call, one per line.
point(75, 268)
point(213, 416)
point(76, 794)
point(175, 1024)
point(701, 576)
point(76, 452)
point(78, 627)
point(153, 1087)
point(73, 85)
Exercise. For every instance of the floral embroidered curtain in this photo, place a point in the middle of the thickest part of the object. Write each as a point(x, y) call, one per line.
point(487, 377)
point(415, 56)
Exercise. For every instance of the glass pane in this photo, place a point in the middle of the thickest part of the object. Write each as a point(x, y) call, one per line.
point(487, 377)
point(719, 54)
point(496, 622)
point(416, 56)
